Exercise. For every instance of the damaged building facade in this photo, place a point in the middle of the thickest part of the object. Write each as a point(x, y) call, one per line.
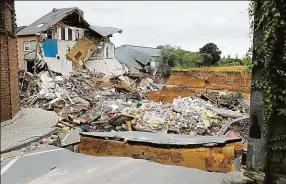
point(63, 41)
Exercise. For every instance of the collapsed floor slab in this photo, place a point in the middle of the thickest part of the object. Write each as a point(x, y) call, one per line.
point(30, 124)
point(50, 164)
point(203, 152)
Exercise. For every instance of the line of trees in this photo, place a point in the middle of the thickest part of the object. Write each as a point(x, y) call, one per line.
point(208, 55)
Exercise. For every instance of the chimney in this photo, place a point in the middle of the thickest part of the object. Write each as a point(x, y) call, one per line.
point(54, 10)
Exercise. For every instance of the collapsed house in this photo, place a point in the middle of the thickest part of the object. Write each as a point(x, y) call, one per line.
point(63, 41)
point(138, 59)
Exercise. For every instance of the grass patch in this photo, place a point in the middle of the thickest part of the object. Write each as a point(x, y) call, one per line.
point(215, 69)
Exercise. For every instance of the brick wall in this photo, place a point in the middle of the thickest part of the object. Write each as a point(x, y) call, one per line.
point(8, 59)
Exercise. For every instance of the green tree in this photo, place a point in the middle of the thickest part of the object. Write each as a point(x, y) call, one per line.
point(177, 57)
point(212, 50)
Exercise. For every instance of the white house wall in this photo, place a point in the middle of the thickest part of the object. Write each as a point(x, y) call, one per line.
point(110, 67)
point(61, 65)
point(110, 46)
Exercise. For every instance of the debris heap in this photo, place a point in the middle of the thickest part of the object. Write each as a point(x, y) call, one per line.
point(94, 102)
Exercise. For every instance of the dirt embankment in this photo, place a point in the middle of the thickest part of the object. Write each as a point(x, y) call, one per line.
point(233, 79)
point(168, 94)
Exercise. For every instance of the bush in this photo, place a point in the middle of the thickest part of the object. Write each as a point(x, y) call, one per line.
point(246, 61)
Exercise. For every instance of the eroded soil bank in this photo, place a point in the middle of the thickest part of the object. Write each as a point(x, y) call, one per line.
point(233, 79)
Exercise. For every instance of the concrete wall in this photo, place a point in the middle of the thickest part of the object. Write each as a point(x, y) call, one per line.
point(20, 45)
point(8, 58)
point(108, 50)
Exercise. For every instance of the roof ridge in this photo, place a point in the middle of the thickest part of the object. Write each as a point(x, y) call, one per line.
point(139, 46)
point(47, 20)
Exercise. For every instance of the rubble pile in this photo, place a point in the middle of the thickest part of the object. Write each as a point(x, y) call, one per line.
point(81, 98)
point(147, 85)
point(29, 86)
point(232, 101)
point(241, 126)
point(94, 102)
point(185, 116)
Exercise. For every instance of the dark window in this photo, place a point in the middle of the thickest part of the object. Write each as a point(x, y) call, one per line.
point(106, 50)
point(77, 56)
point(50, 34)
point(69, 34)
point(76, 35)
point(63, 33)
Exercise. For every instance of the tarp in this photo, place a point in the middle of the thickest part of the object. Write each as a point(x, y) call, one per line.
point(50, 48)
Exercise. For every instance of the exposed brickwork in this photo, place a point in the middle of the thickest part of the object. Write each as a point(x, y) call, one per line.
point(9, 65)
point(13, 64)
point(5, 78)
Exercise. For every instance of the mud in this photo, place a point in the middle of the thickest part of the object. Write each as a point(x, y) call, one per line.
point(217, 78)
point(168, 94)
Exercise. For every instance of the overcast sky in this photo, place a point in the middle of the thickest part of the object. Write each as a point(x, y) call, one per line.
point(189, 24)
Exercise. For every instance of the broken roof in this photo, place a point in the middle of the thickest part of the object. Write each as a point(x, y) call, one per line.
point(47, 21)
point(55, 16)
point(136, 56)
point(105, 31)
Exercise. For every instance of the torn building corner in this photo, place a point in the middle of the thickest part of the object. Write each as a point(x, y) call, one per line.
point(63, 41)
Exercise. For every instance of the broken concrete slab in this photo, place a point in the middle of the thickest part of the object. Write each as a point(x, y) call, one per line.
point(49, 165)
point(225, 112)
point(163, 139)
point(110, 67)
point(70, 138)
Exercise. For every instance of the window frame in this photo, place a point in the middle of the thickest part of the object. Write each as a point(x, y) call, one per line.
point(70, 32)
point(24, 47)
point(78, 55)
point(63, 34)
point(106, 51)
